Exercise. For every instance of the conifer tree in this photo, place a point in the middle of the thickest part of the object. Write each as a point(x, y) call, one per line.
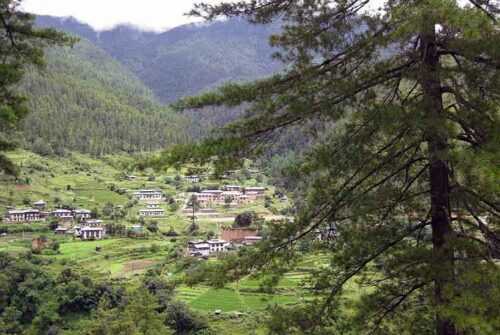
point(402, 105)
point(21, 45)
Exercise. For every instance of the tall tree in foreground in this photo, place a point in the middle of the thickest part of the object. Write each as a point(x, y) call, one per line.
point(404, 103)
point(21, 45)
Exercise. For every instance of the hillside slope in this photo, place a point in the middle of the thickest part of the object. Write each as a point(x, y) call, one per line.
point(87, 101)
point(185, 60)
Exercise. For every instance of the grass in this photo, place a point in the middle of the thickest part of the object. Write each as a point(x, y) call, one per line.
point(229, 300)
point(120, 257)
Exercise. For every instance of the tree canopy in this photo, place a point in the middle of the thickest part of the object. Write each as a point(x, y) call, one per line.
point(21, 45)
point(402, 106)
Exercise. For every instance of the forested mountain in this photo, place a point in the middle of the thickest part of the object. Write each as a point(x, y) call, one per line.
point(104, 95)
point(187, 59)
point(86, 101)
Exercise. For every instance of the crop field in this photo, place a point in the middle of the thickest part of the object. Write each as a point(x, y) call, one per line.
point(208, 299)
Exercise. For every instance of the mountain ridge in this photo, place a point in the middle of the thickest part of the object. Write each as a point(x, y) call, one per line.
point(184, 60)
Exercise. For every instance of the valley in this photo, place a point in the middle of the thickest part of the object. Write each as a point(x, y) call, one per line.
point(106, 187)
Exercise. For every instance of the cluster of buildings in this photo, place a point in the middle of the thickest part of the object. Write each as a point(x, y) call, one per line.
point(232, 195)
point(230, 239)
point(85, 228)
point(38, 213)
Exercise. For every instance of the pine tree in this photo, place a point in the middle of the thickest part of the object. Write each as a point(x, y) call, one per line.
point(20, 46)
point(402, 105)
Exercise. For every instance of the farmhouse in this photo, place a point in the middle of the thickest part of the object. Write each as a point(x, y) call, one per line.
point(24, 215)
point(152, 212)
point(238, 235)
point(82, 214)
point(198, 249)
point(148, 194)
point(40, 204)
point(193, 179)
point(256, 190)
point(62, 214)
point(91, 233)
point(61, 231)
point(208, 198)
point(235, 188)
point(90, 230)
point(206, 248)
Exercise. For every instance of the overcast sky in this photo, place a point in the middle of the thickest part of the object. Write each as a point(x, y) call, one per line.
point(103, 14)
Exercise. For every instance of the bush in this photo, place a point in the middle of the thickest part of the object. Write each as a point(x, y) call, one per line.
point(244, 219)
point(152, 226)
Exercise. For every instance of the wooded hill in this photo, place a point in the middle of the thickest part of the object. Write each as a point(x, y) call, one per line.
point(105, 94)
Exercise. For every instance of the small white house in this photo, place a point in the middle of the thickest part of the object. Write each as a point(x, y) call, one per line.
point(148, 195)
point(82, 214)
point(206, 248)
point(193, 179)
point(152, 212)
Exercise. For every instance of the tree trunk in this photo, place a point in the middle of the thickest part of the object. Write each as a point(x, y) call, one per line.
point(437, 140)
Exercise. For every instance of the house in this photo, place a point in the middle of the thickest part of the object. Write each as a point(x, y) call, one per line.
point(216, 246)
point(193, 179)
point(24, 215)
point(255, 190)
point(208, 198)
point(62, 214)
point(235, 188)
point(206, 248)
point(152, 212)
point(91, 233)
point(237, 235)
point(82, 214)
point(90, 230)
point(152, 205)
point(61, 231)
point(148, 195)
point(198, 249)
point(40, 205)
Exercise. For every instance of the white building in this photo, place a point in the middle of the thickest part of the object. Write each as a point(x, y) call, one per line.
point(82, 214)
point(63, 214)
point(91, 233)
point(206, 248)
point(152, 212)
point(90, 230)
point(236, 188)
point(153, 205)
point(24, 215)
point(40, 204)
point(198, 249)
point(148, 195)
point(193, 179)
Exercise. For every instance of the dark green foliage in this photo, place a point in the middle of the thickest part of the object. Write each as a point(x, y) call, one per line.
point(244, 219)
point(88, 102)
point(21, 46)
point(152, 226)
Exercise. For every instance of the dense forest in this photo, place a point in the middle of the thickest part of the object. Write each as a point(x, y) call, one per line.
point(104, 95)
point(86, 101)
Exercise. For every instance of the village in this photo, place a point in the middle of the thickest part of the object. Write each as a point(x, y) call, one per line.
point(86, 225)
